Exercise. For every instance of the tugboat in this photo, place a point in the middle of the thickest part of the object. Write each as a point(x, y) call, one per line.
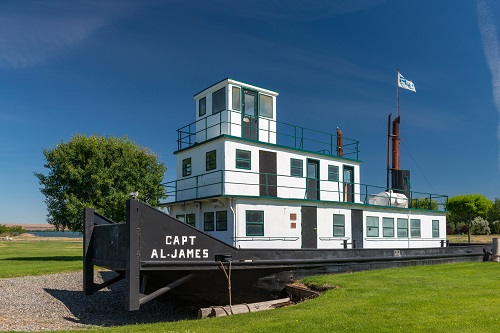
point(258, 203)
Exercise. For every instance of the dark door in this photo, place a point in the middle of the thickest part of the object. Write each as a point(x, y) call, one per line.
point(267, 174)
point(309, 227)
point(312, 179)
point(250, 114)
point(348, 184)
point(357, 228)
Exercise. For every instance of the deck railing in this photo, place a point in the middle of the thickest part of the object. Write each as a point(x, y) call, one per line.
point(245, 183)
point(267, 130)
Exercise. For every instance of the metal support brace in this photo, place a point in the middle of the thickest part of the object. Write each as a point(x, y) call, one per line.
point(168, 287)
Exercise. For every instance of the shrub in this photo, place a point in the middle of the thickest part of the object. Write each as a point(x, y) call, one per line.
point(480, 226)
point(449, 229)
point(495, 227)
point(11, 231)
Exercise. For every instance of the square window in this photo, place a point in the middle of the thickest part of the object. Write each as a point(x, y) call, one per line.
point(415, 228)
point(221, 220)
point(338, 225)
point(202, 106)
point(255, 222)
point(186, 167)
point(388, 227)
point(266, 106)
point(211, 160)
point(372, 226)
point(236, 98)
point(191, 220)
point(219, 100)
point(243, 159)
point(333, 173)
point(293, 216)
point(402, 228)
point(181, 218)
point(208, 221)
point(296, 167)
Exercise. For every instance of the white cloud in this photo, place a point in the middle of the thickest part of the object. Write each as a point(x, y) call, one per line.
point(491, 48)
point(33, 33)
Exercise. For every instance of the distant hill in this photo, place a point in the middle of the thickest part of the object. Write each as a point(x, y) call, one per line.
point(32, 227)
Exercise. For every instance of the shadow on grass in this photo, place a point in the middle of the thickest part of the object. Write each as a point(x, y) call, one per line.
point(51, 258)
point(107, 307)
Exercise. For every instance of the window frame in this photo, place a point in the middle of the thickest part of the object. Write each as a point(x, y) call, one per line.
point(202, 102)
point(244, 160)
point(223, 221)
point(414, 228)
point(236, 91)
point(338, 223)
point(333, 176)
point(254, 223)
point(375, 226)
point(401, 228)
point(435, 229)
point(218, 94)
point(261, 108)
point(388, 227)
point(208, 222)
point(211, 160)
point(296, 168)
point(188, 218)
point(187, 169)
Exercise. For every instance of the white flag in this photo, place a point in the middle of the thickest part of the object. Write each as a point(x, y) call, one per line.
point(405, 84)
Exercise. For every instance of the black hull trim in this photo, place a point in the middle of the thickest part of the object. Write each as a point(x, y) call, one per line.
point(157, 254)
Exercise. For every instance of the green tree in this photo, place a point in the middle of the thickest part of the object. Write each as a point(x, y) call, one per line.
point(424, 203)
point(466, 207)
point(97, 172)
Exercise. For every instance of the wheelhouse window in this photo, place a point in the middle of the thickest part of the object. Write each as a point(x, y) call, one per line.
point(266, 106)
point(208, 221)
point(372, 226)
point(255, 222)
point(402, 228)
point(415, 228)
point(211, 160)
point(333, 173)
point(221, 220)
point(236, 91)
point(243, 159)
point(191, 220)
point(186, 167)
point(219, 100)
point(296, 167)
point(202, 106)
point(435, 228)
point(388, 227)
point(181, 218)
point(338, 225)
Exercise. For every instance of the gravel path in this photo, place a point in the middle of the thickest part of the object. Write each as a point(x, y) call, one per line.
point(57, 302)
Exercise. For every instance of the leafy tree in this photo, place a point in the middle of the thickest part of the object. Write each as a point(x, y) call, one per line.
point(97, 172)
point(466, 207)
point(480, 226)
point(424, 203)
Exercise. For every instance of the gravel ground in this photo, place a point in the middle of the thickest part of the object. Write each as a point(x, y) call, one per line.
point(56, 302)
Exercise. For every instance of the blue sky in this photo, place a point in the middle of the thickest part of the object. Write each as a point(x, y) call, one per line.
point(131, 68)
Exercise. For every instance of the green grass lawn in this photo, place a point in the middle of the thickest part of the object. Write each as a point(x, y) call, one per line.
point(443, 298)
point(21, 258)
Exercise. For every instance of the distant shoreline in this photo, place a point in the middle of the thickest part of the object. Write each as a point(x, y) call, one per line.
point(33, 226)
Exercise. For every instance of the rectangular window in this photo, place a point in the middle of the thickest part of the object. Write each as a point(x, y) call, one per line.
point(338, 225)
point(402, 228)
point(266, 106)
point(243, 159)
point(181, 218)
point(219, 100)
point(211, 160)
point(388, 227)
point(191, 220)
point(415, 228)
point(255, 222)
point(296, 167)
point(435, 228)
point(221, 220)
point(333, 173)
point(236, 98)
point(186, 167)
point(372, 226)
point(208, 221)
point(202, 106)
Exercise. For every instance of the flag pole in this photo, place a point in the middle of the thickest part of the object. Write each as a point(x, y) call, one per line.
point(397, 85)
